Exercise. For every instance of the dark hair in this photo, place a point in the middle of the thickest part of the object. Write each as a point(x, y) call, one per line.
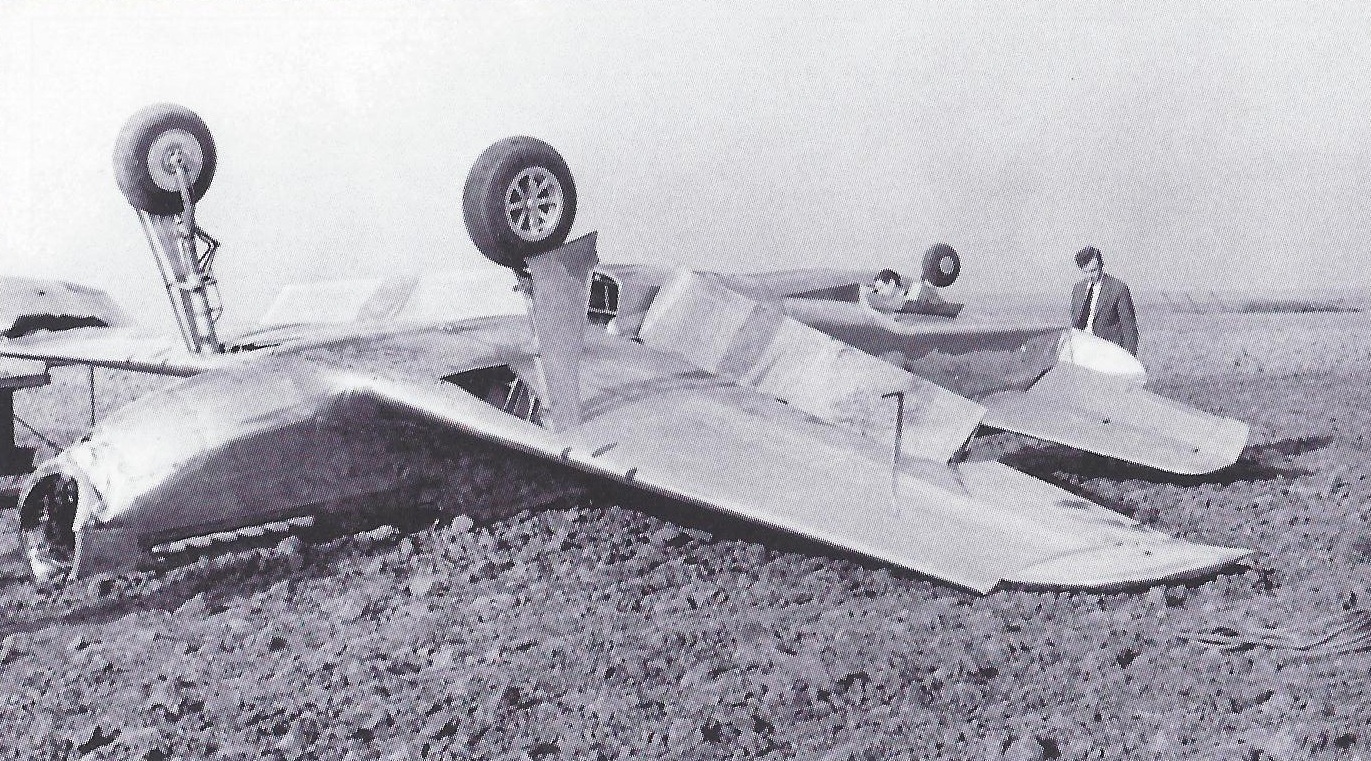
point(890, 276)
point(1084, 256)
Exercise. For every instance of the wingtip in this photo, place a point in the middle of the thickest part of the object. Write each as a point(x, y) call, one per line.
point(1128, 566)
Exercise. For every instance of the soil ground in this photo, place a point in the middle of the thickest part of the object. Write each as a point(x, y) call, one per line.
point(621, 627)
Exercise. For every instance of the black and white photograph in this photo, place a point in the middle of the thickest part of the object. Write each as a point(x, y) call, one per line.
point(605, 380)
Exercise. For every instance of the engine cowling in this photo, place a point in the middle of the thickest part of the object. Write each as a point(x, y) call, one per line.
point(239, 453)
point(200, 459)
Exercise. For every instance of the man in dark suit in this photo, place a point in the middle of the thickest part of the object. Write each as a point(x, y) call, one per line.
point(1101, 304)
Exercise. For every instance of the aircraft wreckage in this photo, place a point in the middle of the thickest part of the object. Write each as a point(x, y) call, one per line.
point(728, 392)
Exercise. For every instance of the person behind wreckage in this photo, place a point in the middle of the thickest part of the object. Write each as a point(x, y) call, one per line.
point(887, 293)
point(1102, 304)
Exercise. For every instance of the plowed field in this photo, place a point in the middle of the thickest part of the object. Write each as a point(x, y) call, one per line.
point(622, 628)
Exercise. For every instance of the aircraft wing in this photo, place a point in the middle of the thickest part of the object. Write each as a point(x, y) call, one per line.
point(914, 335)
point(141, 350)
point(817, 282)
point(58, 322)
point(1017, 373)
point(1118, 418)
point(670, 429)
point(123, 348)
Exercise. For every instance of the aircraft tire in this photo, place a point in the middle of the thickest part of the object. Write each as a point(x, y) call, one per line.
point(507, 223)
point(942, 265)
point(143, 151)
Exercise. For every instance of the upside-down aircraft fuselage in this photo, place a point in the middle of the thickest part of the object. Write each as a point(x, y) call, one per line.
point(713, 390)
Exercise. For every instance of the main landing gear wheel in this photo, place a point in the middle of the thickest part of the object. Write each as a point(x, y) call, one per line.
point(151, 146)
point(519, 201)
point(942, 265)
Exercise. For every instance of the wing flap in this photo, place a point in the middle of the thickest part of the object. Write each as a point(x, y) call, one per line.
point(1117, 418)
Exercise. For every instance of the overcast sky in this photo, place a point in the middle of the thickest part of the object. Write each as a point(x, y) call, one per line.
point(1200, 145)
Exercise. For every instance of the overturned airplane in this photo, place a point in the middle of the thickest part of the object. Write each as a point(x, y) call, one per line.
point(717, 391)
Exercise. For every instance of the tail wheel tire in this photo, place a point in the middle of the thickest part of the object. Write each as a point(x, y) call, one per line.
point(942, 265)
point(519, 201)
point(149, 148)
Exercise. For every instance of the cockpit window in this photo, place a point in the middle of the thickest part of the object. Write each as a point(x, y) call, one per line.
point(502, 388)
point(604, 299)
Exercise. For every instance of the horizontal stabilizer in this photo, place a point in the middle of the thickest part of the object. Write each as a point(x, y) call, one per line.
point(1117, 418)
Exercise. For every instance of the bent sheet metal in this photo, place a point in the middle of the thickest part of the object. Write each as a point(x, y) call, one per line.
point(170, 465)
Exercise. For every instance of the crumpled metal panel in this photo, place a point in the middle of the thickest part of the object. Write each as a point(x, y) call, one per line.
point(728, 334)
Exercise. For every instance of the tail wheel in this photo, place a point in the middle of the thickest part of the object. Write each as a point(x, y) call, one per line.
point(519, 201)
point(150, 147)
point(942, 265)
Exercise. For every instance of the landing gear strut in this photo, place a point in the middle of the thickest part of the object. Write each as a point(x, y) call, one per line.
point(164, 161)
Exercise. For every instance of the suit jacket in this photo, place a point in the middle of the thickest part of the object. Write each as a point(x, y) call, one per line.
point(1115, 319)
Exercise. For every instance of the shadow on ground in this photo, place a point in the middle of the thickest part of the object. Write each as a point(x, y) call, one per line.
point(1051, 462)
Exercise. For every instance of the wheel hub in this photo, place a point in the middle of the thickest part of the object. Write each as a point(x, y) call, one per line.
point(171, 149)
point(533, 204)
